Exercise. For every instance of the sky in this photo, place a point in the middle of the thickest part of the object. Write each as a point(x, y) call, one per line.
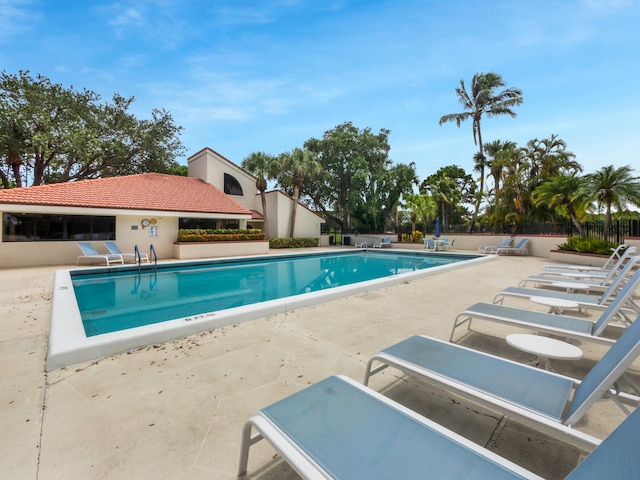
point(241, 76)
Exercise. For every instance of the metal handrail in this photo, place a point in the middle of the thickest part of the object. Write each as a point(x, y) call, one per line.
point(138, 256)
point(152, 251)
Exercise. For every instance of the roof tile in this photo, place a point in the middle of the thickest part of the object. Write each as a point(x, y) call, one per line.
point(146, 191)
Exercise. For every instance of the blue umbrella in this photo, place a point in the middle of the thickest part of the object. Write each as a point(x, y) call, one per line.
point(437, 227)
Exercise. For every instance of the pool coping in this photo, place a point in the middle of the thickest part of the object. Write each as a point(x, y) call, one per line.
point(68, 344)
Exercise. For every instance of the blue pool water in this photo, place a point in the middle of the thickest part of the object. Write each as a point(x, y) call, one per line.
point(120, 299)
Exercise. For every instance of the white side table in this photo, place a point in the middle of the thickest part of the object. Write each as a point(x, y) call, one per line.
point(556, 305)
point(571, 287)
point(544, 348)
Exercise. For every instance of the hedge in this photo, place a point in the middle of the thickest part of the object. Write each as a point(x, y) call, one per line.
point(219, 235)
point(293, 242)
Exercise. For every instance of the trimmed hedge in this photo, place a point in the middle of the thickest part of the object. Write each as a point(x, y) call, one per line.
point(219, 235)
point(293, 242)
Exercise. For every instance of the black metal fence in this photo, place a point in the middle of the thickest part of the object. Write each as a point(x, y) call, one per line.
point(620, 229)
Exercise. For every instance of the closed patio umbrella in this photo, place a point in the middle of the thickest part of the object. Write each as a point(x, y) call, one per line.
point(437, 227)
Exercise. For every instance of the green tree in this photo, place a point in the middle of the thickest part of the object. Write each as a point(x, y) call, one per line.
point(381, 198)
point(564, 194)
point(353, 161)
point(61, 134)
point(262, 166)
point(483, 100)
point(548, 158)
point(422, 208)
point(294, 167)
point(612, 187)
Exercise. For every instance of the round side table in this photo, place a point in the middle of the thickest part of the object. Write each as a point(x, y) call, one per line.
point(544, 348)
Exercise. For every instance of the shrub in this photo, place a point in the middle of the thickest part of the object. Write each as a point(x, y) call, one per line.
point(587, 245)
point(219, 235)
point(293, 242)
point(415, 237)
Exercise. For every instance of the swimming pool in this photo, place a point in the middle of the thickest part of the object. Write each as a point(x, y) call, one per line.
point(99, 312)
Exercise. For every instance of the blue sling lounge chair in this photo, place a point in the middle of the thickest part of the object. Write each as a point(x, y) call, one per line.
point(593, 302)
point(90, 253)
point(339, 429)
point(538, 398)
point(566, 326)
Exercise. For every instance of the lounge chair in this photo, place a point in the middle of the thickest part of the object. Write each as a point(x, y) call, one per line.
point(89, 252)
point(386, 242)
point(615, 255)
point(566, 326)
point(339, 429)
point(114, 249)
point(488, 248)
point(581, 284)
point(519, 249)
point(543, 400)
point(588, 272)
point(594, 302)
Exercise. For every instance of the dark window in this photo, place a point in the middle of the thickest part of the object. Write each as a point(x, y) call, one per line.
point(231, 185)
point(207, 223)
point(36, 227)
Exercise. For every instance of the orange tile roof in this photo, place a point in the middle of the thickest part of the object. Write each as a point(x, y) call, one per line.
point(146, 191)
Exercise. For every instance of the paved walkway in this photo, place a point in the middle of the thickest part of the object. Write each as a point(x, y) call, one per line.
point(176, 410)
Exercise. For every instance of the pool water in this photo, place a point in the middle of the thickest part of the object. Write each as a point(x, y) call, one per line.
point(118, 300)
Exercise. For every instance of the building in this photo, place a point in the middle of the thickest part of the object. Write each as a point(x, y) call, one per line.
point(41, 225)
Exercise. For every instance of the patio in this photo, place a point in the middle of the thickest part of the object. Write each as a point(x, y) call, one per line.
point(176, 410)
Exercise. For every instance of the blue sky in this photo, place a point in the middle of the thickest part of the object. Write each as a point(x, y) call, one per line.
point(243, 76)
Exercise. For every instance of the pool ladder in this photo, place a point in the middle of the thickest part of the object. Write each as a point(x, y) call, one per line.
point(152, 252)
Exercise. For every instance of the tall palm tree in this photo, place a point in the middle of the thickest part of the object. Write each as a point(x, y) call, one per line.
point(262, 166)
point(565, 195)
point(613, 187)
point(296, 166)
point(483, 100)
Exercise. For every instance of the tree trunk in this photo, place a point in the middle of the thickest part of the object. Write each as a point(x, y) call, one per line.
point(296, 192)
point(264, 214)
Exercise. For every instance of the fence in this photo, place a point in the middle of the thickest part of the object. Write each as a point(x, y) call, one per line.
point(620, 229)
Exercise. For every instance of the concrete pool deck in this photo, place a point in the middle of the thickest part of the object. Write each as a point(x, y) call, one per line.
point(176, 410)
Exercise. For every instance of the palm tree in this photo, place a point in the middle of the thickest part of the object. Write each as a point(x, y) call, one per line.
point(296, 166)
point(261, 165)
point(566, 196)
point(422, 207)
point(483, 100)
point(549, 157)
point(613, 187)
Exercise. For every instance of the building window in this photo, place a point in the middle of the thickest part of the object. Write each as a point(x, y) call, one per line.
point(231, 185)
point(207, 223)
point(36, 227)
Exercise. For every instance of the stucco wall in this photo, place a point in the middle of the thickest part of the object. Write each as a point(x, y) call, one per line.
point(29, 254)
point(208, 166)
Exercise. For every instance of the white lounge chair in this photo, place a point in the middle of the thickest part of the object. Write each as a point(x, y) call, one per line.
point(590, 272)
point(566, 326)
point(340, 429)
point(613, 258)
point(595, 302)
point(488, 248)
point(90, 253)
point(541, 399)
point(519, 249)
point(385, 242)
point(587, 284)
point(114, 249)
